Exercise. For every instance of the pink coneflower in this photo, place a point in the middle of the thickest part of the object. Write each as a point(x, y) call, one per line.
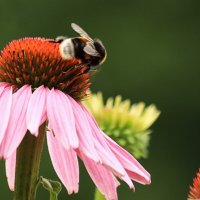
point(194, 193)
point(38, 86)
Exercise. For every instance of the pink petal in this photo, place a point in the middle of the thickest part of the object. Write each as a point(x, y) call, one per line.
point(131, 165)
point(5, 108)
point(102, 177)
point(17, 122)
point(128, 162)
point(65, 163)
point(2, 86)
point(107, 156)
point(105, 153)
point(61, 118)
point(10, 171)
point(36, 109)
point(86, 139)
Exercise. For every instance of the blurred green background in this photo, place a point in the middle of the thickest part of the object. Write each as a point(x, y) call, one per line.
point(153, 56)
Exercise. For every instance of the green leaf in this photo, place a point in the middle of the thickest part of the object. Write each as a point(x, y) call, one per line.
point(54, 187)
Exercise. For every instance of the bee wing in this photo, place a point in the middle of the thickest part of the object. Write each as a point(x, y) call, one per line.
point(90, 49)
point(82, 33)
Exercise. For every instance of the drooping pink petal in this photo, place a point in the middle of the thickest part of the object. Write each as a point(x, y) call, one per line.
point(65, 163)
point(107, 156)
point(131, 165)
point(5, 108)
point(2, 86)
point(102, 177)
point(61, 118)
point(105, 153)
point(10, 171)
point(36, 109)
point(16, 128)
point(86, 139)
point(111, 162)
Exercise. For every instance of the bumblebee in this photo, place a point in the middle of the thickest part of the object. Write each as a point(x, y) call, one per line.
point(91, 52)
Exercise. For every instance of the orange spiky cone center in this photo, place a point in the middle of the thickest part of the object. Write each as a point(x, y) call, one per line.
point(37, 61)
point(194, 193)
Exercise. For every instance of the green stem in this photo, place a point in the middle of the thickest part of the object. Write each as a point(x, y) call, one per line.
point(98, 195)
point(27, 165)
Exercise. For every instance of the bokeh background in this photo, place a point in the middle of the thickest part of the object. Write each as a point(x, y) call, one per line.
point(153, 56)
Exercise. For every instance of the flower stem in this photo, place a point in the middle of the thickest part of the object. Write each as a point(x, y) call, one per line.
point(98, 195)
point(27, 165)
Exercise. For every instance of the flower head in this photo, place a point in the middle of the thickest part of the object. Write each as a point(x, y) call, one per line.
point(125, 123)
point(37, 62)
point(194, 193)
point(37, 85)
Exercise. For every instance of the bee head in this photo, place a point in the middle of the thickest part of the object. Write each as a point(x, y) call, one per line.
point(100, 49)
